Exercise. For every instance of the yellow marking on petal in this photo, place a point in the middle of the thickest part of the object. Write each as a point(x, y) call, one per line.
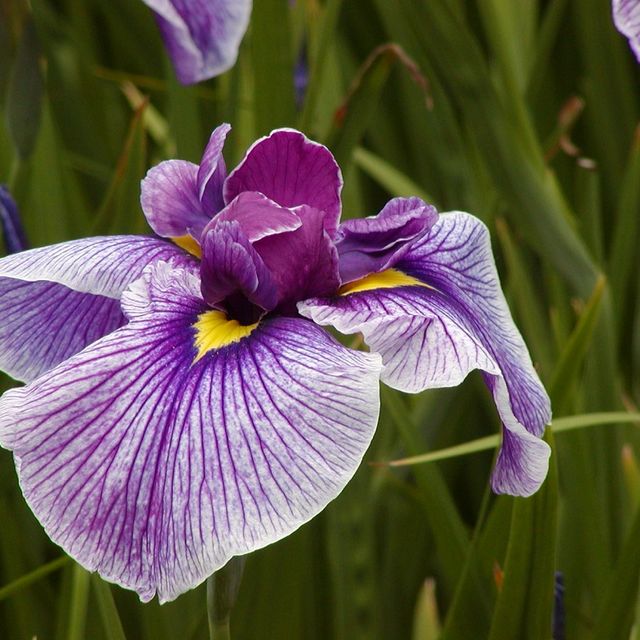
point(188, 243)
point(383, 280)
point(215, 330)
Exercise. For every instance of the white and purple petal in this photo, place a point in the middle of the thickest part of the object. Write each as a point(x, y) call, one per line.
point(433, 336)
point(56, 300)
point(102, 265)
point(626, 17)
point(201, 36)
point(370, 245)
point(292, 170)
point(154, 469)
point(44, 323)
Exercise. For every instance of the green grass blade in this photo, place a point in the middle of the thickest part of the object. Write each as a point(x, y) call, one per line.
point(25, 93)
point(108, 611)
point(388, 177)
point(573, 355)
point(525, 604)
point(24, 581)
point(615, 616)
point(560, 425)
point(446, 524)
point(322, 38)
point(272, 60)
point(78, 603)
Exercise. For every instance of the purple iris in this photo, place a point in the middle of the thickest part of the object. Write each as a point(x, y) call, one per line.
point(184, 406)
point(626, 17)
point(201, 36)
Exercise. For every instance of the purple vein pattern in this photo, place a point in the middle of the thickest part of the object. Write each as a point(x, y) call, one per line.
point(182, 408)
point(433, 337)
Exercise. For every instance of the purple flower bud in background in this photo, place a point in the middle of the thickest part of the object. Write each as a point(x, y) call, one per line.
point(14, 237)
point(558, 607)
point(626, 17)
point(301, 76)
point(201, 36)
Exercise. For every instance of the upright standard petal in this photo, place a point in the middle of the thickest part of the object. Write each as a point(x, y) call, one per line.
point(56, 300)
point(170, 200)
point(370, 245)
point(626, 17)
point(201, 36)
point(154, 468)
point(212, 171)
point(292, 170)
point(449, 318)
point(303, 262)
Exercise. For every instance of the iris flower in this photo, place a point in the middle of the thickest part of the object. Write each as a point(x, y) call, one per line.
point(201, 36)
point(626, 17)
point(184, 405)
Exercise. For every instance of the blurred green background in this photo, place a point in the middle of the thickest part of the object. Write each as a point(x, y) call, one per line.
point(523, 112)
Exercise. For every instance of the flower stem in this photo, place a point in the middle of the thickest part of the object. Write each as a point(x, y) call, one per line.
point(222, 591)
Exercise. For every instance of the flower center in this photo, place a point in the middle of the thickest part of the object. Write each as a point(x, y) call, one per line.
point(214, 330)
point(383, 280)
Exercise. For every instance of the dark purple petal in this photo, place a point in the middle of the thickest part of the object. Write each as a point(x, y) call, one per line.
point(434, 336)
point(258, 216)
point(371, 245)
point(201, 36)
point(100, 265)
point(292, 170)
point(303, 262)
point(232, 268)
point(154, 470)
point(170, 200)
point(213, 172)
point(44, 323)
point(626, 17)
point(15, 238)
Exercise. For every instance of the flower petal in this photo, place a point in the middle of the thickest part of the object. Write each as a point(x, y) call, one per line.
point(258, 216)
point(154, 470)
point(292, 170)
point(56, 300)
point(232, 267)
point(170, 201)
point(201, 36)
point(100, 265)
point(213, 171)
point(44, 323)
point(626, 17)
point(433, 336)
point(303, 262)
point(371, 245)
